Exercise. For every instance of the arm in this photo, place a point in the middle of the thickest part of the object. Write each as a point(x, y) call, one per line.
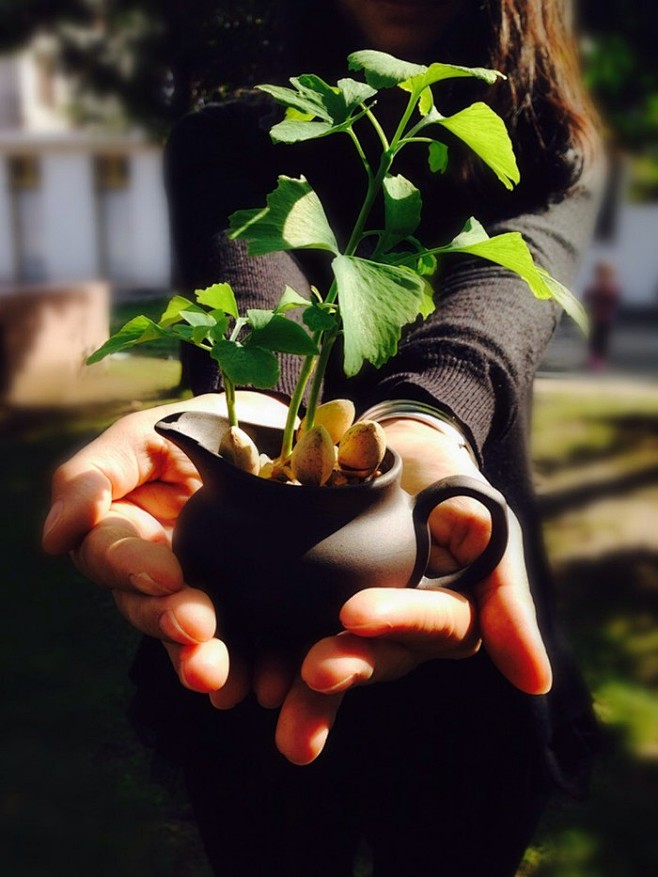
point(477, 354)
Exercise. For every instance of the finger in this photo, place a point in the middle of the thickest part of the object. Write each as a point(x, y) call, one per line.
point(273, 675)
point(129, 550)
point(203, 667)
point(186, 617)
point(508, 621)
point(339, 663)
point(236, 687)
point(461, 529)
point(124, 457)
point(428, 620)
point(304, 723)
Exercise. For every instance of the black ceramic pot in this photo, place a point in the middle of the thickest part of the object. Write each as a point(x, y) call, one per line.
point(279, 561)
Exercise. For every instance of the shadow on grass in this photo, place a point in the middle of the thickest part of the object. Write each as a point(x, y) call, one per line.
point(610, 607)
point(619, 434)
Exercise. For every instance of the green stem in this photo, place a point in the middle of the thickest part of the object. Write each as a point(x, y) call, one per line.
point(374, 121)
point(296, 401)
point(404, 121)
point(229, 390)
point(374, 186)
point(359, 149)
point(318, 377)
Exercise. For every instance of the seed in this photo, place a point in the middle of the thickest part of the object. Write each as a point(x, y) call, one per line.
point(313, 457)
point(362, 448)
point(238, 449)
point(336, 416)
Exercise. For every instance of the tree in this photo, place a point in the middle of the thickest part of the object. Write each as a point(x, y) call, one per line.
point(621, 70)
point(156, 58)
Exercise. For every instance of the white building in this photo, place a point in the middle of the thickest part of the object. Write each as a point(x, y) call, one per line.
point(75, 204)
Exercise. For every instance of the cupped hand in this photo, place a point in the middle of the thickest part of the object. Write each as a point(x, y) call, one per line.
point(114, 505)
point(388, 632)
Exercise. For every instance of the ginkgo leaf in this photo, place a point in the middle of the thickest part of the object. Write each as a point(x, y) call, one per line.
point(219, 296)
point(383, 70)
point(484, 131)
point(293, 219)
point(376, 302)
point(246, 366)
point(402, 209)
point(139, 330)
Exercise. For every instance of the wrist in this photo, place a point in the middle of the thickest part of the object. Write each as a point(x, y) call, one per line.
point(406, 412)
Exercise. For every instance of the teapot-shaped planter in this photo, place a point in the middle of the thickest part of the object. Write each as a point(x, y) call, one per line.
point(280, 560)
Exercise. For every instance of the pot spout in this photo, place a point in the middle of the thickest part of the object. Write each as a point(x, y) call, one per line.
point(198, 435)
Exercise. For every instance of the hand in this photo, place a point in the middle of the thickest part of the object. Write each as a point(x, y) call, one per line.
point(389, 632)
point(114, 507)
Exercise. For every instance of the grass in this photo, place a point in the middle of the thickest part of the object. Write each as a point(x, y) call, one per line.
point(77, 795)
point(596, 457)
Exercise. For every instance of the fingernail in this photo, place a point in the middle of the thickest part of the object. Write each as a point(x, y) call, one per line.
point(370, 628)
point(53, 517)
point(143, 582)
point(171, 628)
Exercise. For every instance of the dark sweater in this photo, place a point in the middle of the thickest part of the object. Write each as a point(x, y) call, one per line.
point(476, 357)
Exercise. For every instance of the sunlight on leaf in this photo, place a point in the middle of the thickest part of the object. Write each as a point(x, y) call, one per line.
point(219, 296)
point(376, 302)
point(383, 70)
point(485, 132)
point(293, 219)
point(139, 330)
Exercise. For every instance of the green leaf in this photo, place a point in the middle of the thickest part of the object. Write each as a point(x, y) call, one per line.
point(508, 250)
point(172, 313)
point(304, 103)
point(438, 157)
point(139, 330)
point(258, 317)
point(198, 318)
point(473, 232)
point(355, 93)
point(297, 116)
point(383, 70)
point(319, 319)
point(290, 300)
point(293, 219)
point(283, 336)
point(219, 296)
point(427, 305)
point(246, 366)
point(376, 301)
point(290, 131)
point(567, 300)
point(485, 132)
point(438, 72)
point(426, 101)
point(330, 97)
point(402, 208)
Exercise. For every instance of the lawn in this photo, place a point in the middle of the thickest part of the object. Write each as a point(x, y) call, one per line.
point(77, 795)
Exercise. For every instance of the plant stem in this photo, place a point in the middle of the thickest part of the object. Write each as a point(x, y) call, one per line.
point(323, 360)
point(296, 401)
point(229, 390)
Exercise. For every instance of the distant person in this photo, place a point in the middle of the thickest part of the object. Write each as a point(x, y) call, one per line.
point(602, 303)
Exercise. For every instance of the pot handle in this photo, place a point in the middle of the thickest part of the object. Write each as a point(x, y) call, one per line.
point(460, 485)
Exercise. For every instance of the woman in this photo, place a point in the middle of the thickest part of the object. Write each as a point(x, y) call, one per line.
point(446, 767)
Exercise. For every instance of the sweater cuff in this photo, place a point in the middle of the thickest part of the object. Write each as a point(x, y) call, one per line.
point(452, 385)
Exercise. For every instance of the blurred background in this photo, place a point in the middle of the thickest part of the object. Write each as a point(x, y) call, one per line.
point(88, 90)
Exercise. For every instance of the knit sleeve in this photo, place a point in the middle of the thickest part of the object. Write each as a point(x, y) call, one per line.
point(476, 356)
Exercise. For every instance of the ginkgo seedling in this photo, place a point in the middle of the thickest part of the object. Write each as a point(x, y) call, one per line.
point(370, 300)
